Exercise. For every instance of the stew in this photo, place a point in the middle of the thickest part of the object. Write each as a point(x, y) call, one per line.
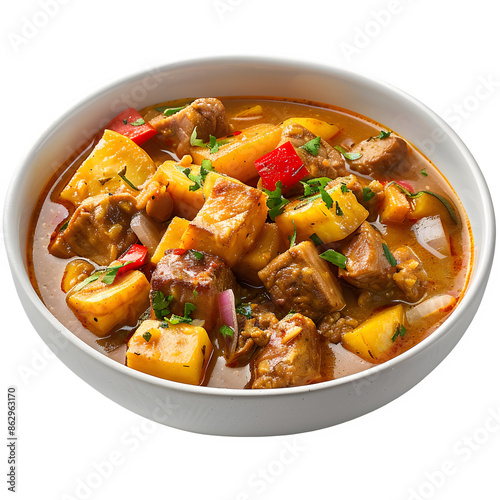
point(249, 242)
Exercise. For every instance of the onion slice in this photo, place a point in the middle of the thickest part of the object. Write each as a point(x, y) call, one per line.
point(227, 310)
point(431, 235)
point(439, 304)
point(146, 230)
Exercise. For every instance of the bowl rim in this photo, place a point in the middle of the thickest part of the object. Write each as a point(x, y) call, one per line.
point(478, 275)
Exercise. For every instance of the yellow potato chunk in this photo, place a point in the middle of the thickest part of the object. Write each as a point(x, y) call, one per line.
point(395, 206)
point(187, 202)
point(427, 205)
point(334, 224)
point(103, 308)
point(237, 157)
point(171, 238)
point(98, 174)
point(373, 339)
point(318, 127)
point(174, 352)
point(265, 249)
point(210, 181)
point(229, 222)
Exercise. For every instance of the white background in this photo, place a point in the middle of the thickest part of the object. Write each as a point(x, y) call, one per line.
point(438, 440)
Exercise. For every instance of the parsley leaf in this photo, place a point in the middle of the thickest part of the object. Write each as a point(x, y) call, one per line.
point(175, 320)
point(350, 156)
point(326, 198)
point(388, 255)
point(146, 336)
point(197, 254)
point(161, 304)
point(86, 281)
point(111, 273)
point(316, 239)
point(188, 309)
point(400, 332)
point(121, 175)
point(424, 172)
point(226, 331)
point(344, 188)
point(338, 210)
point(292, 238)
point(206, 166)
point(313, 186)
point(368, 194)
point(335, 258)
point(172, 111)
point(312, 147)
point(194, 141)
point(64, 226)
point(138, 122)
point(384, 135)
point(245, 309)
point(214, 144)
point(275, 202)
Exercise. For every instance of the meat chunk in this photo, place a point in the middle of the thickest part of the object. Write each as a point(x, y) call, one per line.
point(333, 326)
point(328, 163)
point(99, 229)
point(300, 280)
point(291, 358)
point(367, 266)
point(381, 156)
point(411, 276)
point(189, 278)
point(206, 114)
point(253, 331)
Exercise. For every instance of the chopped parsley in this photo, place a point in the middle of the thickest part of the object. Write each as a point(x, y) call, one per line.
point(86, 281)
point(316, 239)
point(188, 309)
point(172, 111)
point(350, 156)
point(343, 188)
point(292, 238)
point(312, 147)
point(400, 332)
point(388, 255)
point(194, 141)
point(335, 258)
point(111, 273)
point(424, 172)
point(368, 194)
point(313, 186)
point(206, 166)
point(214, 144)
point(64, 226)
point(226, 331)
point(146, 336)
point(275, 201)
point(122, 176)
point(198, 255)
point(161, 304)
point(326, 198)
point(138, 122)
point(245, 309)
point(338, 210)
point(384, 135)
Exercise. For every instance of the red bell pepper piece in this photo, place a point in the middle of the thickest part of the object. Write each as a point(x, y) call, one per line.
point(134, 258)
point(124, 124)
point(282, 164)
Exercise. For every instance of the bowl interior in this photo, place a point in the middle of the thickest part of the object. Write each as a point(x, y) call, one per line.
point(246, 76)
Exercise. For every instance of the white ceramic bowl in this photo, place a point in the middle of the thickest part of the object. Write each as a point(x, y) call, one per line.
point(252, 412)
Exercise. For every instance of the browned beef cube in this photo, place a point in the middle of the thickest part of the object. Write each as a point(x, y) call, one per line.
point(411, 276)
point(99, 229)
point(195, 280)
point(328, 163)
point(367, 266)
point(291, 358)
point(300, 280)
point(381, 156)
point(206, 114)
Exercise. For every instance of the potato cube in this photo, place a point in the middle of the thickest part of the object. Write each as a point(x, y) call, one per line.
point(229, 222)
point(171, 238)
point(308, 217)
point(98, 174)
point(103, 308)
point(265, 249)
point(427, 205)
point(318, 127)
point(174, 352)
point(373, 339)
point(395, 206)
point(236, 158)
point(187, 202)
point(210, 181)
